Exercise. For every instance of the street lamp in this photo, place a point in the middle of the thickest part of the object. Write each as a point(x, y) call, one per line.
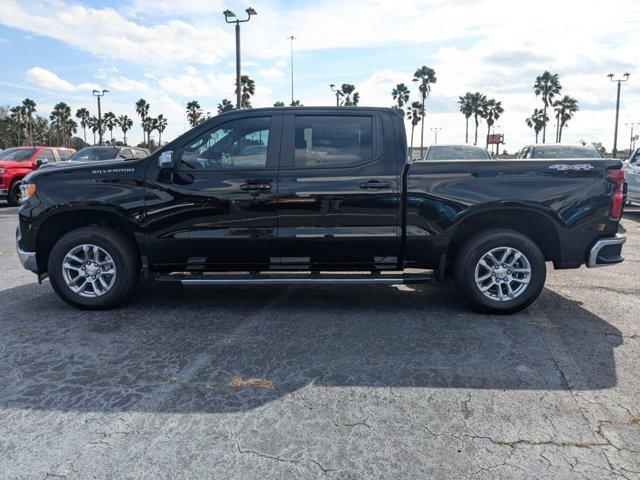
point(292, 38)
point(338, 92)
point(98, 94)
point(631, 141)
point(615, 133)
point(229, 17)
point(436, 130)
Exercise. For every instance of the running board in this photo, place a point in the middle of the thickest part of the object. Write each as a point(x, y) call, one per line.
point(289, 279)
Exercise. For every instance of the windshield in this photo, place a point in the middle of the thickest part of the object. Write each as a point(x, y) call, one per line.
point(457, 152)
point(94, 154)
point(17, 154)
point(564, 151)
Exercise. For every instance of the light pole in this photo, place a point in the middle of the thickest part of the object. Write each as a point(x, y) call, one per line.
point(435, 130)
point(292, 38)
point(228, 14)
point(615, 132)
point(631, 136)
point(337, 92)
point(98, 94)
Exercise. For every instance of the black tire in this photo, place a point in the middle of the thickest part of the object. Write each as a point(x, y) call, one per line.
point(472, 251)
point(124, 257)
point(13, 196)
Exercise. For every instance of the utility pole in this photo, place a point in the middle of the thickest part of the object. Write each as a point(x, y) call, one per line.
point(436, 130)
point(615, 132)
point(98, 94)
point(292, 38)
point(228, 14)
point(631, 136)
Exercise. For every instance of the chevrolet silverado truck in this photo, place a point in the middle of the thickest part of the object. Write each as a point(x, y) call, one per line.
point(316, 195)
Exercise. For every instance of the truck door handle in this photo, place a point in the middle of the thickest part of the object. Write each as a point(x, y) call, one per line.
point(374, 185)
point(255, 186)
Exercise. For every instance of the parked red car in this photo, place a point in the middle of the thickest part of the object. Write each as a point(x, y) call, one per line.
point(16, 162)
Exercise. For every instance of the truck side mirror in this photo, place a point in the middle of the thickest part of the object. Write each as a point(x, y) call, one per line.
point(165, 160)
point(41, 161)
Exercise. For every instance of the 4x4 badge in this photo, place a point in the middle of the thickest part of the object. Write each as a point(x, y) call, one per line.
point(561, 167)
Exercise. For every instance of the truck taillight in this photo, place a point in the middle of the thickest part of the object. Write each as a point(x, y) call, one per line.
point(616, 177)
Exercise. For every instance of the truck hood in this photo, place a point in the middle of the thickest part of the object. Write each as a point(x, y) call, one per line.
point(79, 167)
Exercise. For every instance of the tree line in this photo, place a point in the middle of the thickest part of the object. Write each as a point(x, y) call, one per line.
point(21, 125)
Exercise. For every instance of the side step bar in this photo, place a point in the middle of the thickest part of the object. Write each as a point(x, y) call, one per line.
point(289, 279)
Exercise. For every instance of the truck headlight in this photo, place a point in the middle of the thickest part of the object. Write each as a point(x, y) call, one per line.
point(26, 191)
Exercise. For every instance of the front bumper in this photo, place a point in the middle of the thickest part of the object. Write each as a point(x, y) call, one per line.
point(27, 259)
point(606, 251)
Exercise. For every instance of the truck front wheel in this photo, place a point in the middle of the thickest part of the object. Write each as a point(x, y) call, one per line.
point(13, 197)
point(500, 271)
point(93, 268)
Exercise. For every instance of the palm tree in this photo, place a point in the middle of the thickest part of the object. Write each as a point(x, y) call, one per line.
point(110, 122)
point(537, 121)
point(29, 108)
point(148, 127)
point(160, 124)
point(493, 109)
point(296, 103)
point(83, 115)
point(248, 88)
point(565, 108)
point(60, 114)
point(194, 113)
point(424, 76)
point(17, 113)
point(466, 108)
point(547, 85)
point(401, 95)
point(125, 124)
point(142, 109)
point(478, 107)
point(351, 97)
point(70, 127)
point(278, 104)
point(95, 125)
point(225, 106)
point(415, 114)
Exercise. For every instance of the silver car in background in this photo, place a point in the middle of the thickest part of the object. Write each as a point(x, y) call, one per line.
point(455, 152)
point(554, 150)
point(632, 174)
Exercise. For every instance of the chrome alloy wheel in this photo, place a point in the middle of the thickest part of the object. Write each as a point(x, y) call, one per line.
point(503, 274)
point(89, 270)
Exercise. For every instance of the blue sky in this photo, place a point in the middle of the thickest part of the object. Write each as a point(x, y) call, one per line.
point(170, 52)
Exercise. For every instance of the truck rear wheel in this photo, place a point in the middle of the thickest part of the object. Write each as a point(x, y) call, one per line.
point(93, 268)
point(500, 271)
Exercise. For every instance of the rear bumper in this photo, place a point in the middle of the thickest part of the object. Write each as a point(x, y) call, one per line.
point(606, 251)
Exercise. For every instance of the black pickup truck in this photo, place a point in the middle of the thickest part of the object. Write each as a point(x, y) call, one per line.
point(315, 195)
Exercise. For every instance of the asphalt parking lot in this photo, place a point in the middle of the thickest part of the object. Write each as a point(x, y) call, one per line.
point(314, 382)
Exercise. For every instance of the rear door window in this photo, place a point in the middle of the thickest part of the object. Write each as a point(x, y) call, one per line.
point(333, 141)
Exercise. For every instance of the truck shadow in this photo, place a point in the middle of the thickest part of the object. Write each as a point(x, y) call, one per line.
point(225, 349)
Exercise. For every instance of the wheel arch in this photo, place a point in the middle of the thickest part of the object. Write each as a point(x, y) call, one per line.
point(59, 224)
point(530, 222)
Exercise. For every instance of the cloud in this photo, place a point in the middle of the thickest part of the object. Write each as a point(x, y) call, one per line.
point(271, 74)
point(128, 85)
point(46, 79)
point(192, 83)
point(106, 33)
